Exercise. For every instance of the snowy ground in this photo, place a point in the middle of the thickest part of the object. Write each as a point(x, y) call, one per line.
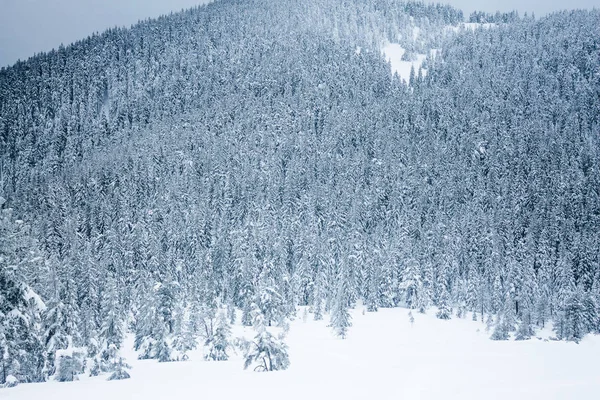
point(393, 53)
point(384, 357)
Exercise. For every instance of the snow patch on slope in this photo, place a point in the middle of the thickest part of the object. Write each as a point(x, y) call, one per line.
point(470, 26)
point(416, 32)
point(393, 54)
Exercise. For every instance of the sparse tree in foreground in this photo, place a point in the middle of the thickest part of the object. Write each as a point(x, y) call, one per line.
point(266, 352)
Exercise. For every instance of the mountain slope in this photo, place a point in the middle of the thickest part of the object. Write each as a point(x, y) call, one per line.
point(244, 156)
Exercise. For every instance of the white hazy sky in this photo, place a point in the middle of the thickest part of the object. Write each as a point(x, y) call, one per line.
point(31, 26)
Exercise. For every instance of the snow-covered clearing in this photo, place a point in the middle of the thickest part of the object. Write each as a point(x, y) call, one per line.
point(384, 357)
point(393, 53)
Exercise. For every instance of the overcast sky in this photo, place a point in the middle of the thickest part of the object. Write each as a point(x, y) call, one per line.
point(31, 26)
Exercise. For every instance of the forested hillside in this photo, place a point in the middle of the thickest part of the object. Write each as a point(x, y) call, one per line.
point(245, 155)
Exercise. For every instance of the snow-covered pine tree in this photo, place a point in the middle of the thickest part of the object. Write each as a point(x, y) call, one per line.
point(22, 355)
point(572, 325)
point(145, 326)
point(58, 320)
point(111, 330)
point(505, 323)
point(68, 364)
point(268, 297)
point(186, 332)
point(340, 316)
point(444, 311)
point(117, 365)
point(318, 296)
point(266, 352)
point(217, 344)
point(411, 284)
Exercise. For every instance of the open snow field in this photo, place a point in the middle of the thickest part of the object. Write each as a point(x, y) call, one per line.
point(384, 357)
point(393, 53)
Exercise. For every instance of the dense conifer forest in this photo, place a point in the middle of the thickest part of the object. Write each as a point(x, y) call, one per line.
point(229, 163)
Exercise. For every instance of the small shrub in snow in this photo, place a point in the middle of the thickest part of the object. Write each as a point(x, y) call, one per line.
point(524, 331)
point(11, 381)
point(217, 343)
point(444, 311)
point(119, 370)
point(116, 364)
point(69, 364)
point(163, 351)
point(501, 331)
point(267, 352)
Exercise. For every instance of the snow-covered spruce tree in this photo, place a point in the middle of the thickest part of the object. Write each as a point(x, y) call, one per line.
point(217, 345)
point(247, 311)
point(4, 362)
point(101, 347)
point(68, 364)
point(340, 316)
point(505, 323)
point(111, 330)
point(370, 279)
point(186, 332)
point(571, 324)
point(119, 368)
point(497, 298)
point(524, 329)
point(460, 298)
point(162, 349)
point(22, 355)
point(318, 297)
point(590, 313)
point(527, 295)
point(444, 311)
point(156, 322)
point(266, 352)
point(116, 365)
point(473, 292)
point(145, 326)
point(268, 297)
point(411, 285)
point(57, 322)
point(167, 296)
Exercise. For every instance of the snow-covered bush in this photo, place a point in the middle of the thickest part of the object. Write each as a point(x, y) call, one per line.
point(266, 352)
point(119, 372)
point(216, 345)
point(69, 364)
point(116, 364)
point(11, 381)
